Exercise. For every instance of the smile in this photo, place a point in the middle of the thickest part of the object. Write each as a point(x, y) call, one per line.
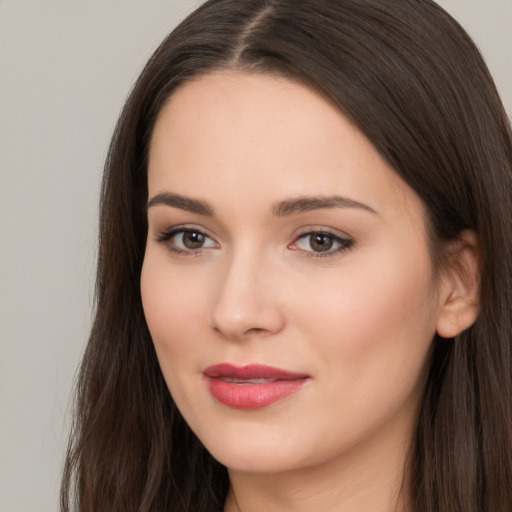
point(252, 386)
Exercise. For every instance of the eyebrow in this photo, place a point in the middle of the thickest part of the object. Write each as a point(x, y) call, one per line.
point(181, 202)
point(280, 209)
point(306, 204)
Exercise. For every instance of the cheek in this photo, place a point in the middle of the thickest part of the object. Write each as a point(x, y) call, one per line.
point(372, 324)
point(173, 308)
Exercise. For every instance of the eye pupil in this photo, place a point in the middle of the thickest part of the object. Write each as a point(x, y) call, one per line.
point(193, 239)
point(321, 242)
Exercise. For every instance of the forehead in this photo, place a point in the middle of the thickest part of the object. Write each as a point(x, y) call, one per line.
point(264, 136)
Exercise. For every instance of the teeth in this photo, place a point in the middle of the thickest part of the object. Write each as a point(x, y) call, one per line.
point(247, 381)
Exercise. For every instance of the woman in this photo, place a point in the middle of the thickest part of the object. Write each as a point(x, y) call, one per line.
point(304, 281)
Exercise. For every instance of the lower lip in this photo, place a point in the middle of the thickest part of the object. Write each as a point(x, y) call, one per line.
point(252, 396)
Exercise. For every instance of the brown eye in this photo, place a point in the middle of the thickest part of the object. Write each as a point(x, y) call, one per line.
point(321, 242)
point(193, 239)
point(186, 241)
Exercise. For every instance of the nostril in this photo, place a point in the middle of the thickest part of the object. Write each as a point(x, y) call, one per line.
point(242, 334)
point(255, 330)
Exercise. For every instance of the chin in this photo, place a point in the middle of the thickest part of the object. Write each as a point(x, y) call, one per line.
point(255, 446)
point(254, 459)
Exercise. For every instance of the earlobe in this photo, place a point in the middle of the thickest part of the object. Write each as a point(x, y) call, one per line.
point(460, 287)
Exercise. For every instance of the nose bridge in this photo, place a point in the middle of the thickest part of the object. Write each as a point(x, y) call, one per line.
point(245, 303)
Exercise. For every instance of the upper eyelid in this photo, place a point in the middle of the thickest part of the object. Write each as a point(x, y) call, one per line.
point(184, 228)
point(338, 238)
point(165, 235)
point(308, 230)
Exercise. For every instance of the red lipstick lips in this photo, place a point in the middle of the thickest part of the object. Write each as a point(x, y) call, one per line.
point(252, 386)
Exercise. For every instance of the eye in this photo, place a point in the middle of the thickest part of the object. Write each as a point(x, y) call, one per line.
point(182, 240)
point(321, 243)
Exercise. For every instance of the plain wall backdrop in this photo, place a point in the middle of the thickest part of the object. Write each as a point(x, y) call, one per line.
point(66, 68)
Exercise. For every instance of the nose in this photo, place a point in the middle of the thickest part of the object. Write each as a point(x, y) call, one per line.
point(247, 299)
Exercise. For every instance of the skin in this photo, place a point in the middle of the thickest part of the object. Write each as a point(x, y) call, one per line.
point(358, 319)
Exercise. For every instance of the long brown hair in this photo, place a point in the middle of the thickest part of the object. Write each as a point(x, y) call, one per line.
point(414, 83)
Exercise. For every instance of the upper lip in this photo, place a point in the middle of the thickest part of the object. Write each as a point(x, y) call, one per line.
point(250, 371)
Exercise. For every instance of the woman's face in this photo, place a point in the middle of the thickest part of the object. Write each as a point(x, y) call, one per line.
point(287, 282)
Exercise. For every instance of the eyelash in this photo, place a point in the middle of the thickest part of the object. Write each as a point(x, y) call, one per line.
point(167, 235)
point(343, 243)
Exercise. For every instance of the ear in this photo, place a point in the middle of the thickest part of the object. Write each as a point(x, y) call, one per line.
point(460, 287)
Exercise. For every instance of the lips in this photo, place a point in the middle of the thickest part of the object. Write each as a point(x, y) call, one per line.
point(251, 386)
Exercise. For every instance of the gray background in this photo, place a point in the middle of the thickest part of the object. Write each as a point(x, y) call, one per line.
point(66, 67)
